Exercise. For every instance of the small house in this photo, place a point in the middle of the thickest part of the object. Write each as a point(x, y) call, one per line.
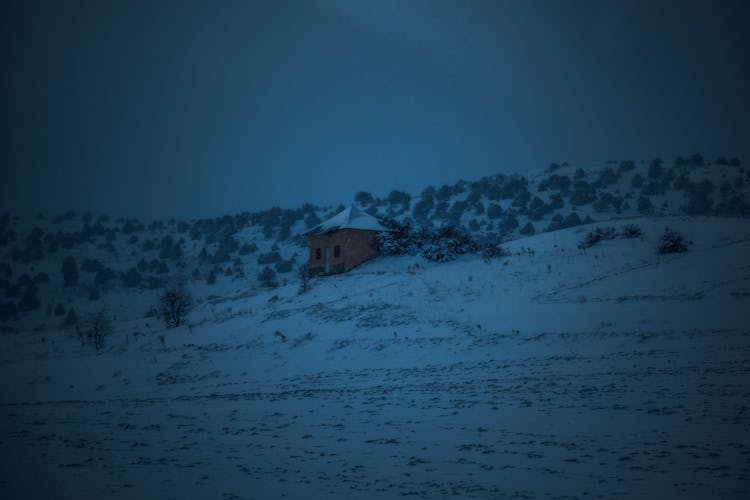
point(342, 242)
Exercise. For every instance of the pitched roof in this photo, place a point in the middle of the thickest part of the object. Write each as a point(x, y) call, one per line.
point(349, 218)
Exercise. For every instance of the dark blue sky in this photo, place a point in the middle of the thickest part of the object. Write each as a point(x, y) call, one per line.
point(181, 108)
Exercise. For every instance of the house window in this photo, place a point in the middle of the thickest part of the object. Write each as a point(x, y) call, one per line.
point(337, 251)
point(317, 254)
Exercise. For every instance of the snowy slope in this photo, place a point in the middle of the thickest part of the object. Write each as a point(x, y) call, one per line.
point(116, 257)
point(549, 373)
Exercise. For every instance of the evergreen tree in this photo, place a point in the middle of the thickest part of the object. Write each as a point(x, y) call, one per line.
point(70, 271)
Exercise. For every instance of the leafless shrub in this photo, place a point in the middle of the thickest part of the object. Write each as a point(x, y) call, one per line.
point(97, 326)
point(175, 303)
point(303, 272)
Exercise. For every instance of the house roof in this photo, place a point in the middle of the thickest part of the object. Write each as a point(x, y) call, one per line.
point(349, 218)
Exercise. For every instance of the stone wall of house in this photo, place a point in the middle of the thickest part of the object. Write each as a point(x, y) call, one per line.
point(360, 247)
point(356, 246)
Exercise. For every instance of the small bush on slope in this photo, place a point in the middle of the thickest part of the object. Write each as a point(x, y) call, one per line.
point(599, 234)
point(631, 231)
point(609, 233)
point(672, 242)
point(442, 245)
point(494, 252)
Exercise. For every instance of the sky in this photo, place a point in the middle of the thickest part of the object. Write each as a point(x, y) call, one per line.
point(186, 109)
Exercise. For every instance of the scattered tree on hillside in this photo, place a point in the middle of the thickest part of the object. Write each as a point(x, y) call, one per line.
point(8, 311)
point(645, 206)
point(443, 193)
point(606, 177)
point(494, 211)
point(303, 272)
point(583, 193)
point(284, 266)
point(71, 318)
point(656, 168)
point(91, 265)
point(131, 278)
point(271, 257)
point(170, 249)
point(528, 229)
point(175, 303)
point(655, 188)
point(363, 198)
point(267, 278)
point(248, 248)
point(29, 301)
point(699, 198)
point(626, 165)
point(399, 198)
point(425, 204)
point(312, 220)
point(6, 271)
point(735, 205)
point(70, 271)
point(104, 277)
point(522, 198)
point(560, 222)
point(507, 223)
point(96, 328)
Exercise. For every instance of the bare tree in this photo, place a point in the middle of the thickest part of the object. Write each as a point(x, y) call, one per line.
point(303, 272)
point(175, 304)
point(97, 327)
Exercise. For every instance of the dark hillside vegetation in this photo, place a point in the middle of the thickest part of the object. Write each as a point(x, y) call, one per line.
point(86, 255)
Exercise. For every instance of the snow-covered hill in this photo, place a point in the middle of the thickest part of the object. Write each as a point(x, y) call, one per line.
point(113, 258)
point(548, 373)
